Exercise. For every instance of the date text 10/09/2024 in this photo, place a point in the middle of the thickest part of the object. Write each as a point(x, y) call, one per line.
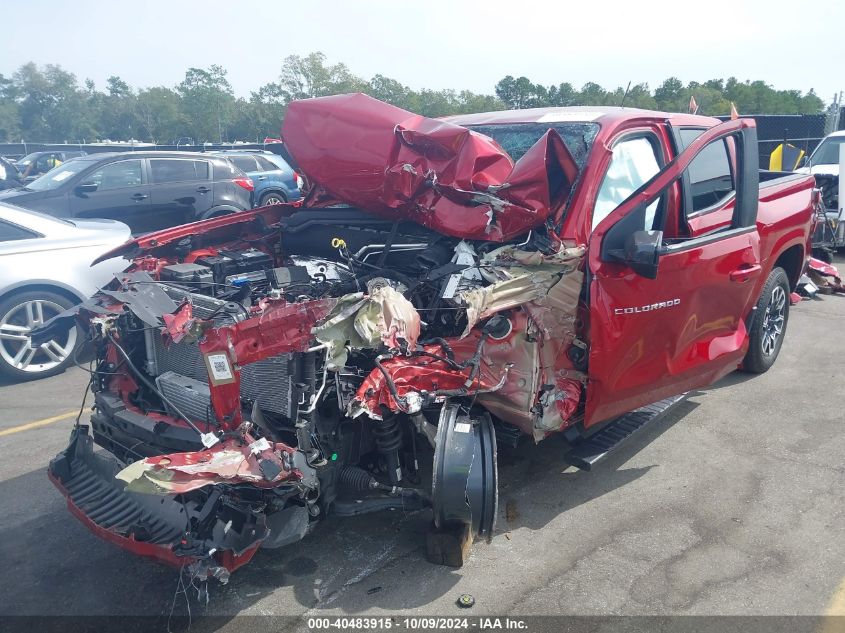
point(483, 623)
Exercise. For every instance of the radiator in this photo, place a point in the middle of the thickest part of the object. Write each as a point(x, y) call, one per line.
point(270, 382)
point(182, 376)
point(186, 396)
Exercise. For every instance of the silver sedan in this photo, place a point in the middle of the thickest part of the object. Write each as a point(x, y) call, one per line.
point(45, 268)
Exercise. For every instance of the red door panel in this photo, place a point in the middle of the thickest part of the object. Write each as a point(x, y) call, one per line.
point(710, 221)
point(652, 338)
point(683, 329)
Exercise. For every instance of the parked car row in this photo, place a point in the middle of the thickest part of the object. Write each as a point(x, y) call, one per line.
point(153, 190)
point(275, 182)
point(80, 206)
point(146, 190)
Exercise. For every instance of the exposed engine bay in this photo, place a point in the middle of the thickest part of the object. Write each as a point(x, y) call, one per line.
point(294, 363)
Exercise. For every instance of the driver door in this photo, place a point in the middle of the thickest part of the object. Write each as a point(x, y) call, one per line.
point(680, 323)
point(120, 192)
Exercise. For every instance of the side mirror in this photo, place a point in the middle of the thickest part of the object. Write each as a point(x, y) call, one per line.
point(87, 187)
point(641, 253)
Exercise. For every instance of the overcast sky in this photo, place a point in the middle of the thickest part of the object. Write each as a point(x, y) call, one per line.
point(436, 44)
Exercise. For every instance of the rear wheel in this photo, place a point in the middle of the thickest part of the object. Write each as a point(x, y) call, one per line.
point(769, 326)
point(271, 197)
point(19, 315)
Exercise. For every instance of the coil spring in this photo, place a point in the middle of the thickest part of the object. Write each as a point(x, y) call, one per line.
point(388, 436)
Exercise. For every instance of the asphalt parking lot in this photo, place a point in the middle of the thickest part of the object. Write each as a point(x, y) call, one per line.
point(732, 504)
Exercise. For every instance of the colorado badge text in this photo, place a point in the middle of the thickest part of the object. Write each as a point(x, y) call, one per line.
point(647, 308)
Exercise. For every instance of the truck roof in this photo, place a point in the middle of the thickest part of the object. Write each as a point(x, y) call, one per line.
point(576, 114)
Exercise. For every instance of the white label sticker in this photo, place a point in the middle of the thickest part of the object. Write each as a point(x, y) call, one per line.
point(63, 175)
point(463, 427)
point(220, 369)
point(259, 446)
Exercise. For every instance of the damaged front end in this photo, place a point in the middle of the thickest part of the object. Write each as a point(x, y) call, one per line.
point(257, 373)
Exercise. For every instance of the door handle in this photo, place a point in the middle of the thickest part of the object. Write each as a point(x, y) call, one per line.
point(262, 178)
point(203, 189)
point(743, 274)
point(140, 196)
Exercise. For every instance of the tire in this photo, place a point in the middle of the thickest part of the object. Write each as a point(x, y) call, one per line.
point(19, 313)
point(769, 326)
point(272, 197)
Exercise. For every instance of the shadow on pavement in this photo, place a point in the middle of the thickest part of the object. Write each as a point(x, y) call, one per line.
point(564, 487)
point(54, 566)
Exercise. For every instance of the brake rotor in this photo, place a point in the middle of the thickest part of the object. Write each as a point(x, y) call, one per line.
point(465, 483)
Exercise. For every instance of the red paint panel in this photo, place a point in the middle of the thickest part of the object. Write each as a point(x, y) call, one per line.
point(179, 323)
point(822, 268)
point(204, 469)
point(641, 353)
point(424, 374)
point(400, 165)
point(280, 329)
point(712, 220)
point(231, 226)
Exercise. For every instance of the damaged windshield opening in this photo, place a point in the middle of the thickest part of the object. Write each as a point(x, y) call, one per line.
point(518, 138)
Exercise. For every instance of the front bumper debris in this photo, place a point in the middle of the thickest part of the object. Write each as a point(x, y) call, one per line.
point(153, 526)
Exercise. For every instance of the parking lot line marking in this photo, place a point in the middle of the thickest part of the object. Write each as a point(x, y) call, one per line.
point(38, 423)
point(837, 602)
point(833, 620)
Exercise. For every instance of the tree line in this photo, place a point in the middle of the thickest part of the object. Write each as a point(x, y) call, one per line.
point(48, 104)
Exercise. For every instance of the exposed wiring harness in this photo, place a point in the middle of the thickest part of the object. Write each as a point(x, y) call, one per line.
point(474, 363)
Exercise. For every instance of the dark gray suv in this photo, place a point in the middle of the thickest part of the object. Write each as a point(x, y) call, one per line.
point(146, 190)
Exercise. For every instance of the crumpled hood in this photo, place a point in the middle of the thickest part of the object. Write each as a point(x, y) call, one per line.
point(390, 162)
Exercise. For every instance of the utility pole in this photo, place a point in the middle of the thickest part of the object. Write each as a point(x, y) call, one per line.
point(219, 124)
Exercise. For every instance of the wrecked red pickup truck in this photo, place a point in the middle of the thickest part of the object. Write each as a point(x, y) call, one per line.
point(445, 285)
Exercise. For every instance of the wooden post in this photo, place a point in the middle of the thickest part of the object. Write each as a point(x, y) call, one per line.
point(448, 546)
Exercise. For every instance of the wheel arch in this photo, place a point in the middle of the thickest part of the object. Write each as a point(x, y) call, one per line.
point(57, 287)
point(223, 209)
point(791, 259)
point(49, 365)
point(276, 190)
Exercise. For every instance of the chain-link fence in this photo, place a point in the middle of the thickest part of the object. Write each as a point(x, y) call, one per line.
point(804, 131)
point(18, 150)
